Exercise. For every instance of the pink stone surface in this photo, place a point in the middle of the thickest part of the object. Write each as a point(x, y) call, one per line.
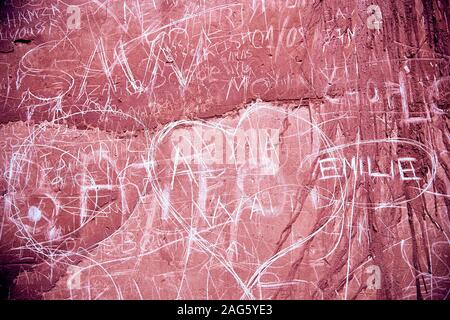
point(259, 149)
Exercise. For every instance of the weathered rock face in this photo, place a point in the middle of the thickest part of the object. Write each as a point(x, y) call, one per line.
point(224, 149)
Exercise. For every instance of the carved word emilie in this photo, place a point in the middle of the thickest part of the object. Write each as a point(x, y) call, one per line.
point(339, 167)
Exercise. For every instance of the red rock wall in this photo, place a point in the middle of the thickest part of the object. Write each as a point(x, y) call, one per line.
point(284, 149)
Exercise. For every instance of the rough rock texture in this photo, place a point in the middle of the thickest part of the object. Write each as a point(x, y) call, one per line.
point(283, 149)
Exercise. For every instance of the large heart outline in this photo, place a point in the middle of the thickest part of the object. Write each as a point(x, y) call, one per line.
point(202, 243)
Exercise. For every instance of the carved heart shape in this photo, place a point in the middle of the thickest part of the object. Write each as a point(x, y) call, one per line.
point(229, 188)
